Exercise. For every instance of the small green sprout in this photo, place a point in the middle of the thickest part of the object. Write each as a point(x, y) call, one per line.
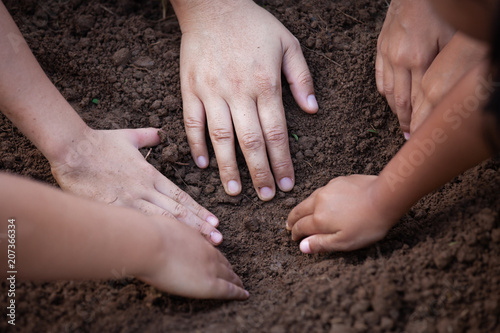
point(452, 243)
point(295, 136)
point(373, 131)
point(95, 101)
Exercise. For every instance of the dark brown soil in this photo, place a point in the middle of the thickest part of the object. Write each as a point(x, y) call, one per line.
point(437, 271)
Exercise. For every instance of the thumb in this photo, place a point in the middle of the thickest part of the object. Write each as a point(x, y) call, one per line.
point(322, 243)
point(298, 76)
point(144, 137)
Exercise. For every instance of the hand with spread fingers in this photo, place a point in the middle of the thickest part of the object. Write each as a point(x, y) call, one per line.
point(232, 56)
point(107, 166)
point(411, 37)
point(189, 266)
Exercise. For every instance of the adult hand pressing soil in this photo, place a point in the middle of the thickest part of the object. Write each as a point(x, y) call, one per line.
point(66, 237)
point(411, 37)
point(103, 165)
point(232, 54)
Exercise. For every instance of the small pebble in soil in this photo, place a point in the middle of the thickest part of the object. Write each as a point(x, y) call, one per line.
point(209, 189)
point(145, 62)
point(193, 178)
point(252, 224)
point(290, 202)
point(170, 153)
point(194, 191)
point(84, 23)
point(121, 57)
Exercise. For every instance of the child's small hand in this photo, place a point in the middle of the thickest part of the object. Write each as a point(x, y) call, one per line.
point(342, 216)
point(187, 265)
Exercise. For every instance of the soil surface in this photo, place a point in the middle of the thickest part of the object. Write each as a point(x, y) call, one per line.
point(438, 270)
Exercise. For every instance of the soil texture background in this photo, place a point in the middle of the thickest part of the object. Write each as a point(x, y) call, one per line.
point(438, 270)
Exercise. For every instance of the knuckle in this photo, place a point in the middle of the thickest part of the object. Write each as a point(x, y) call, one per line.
point(432, 93)
point(400, 58)
point(388, 87)
point(282, 166)
point(167, 214)
point(252, 141)
point(401, 102)
point(193, 123)
point(226, 168)
point(305, 78)
point(180, 211)
point(260, 176)
point(221, 136)
point(267, 86)
point(317, 219)
point(277, 136)
point(294, 45)
point(418, 60)
point(180, 196)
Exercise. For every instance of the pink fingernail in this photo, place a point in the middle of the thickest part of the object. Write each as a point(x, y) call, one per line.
point(202, 162)
point(286, 184)
point(312, 102)
point(304, 246)
point(266, 193)
point(233, 187)
point(407, 136)
point(216, 237)
point(213, 220)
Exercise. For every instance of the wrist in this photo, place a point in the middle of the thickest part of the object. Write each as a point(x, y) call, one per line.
point(146, 251)
point(70, 147)
point(386, 199)
point(190, 12)
point(152, 254)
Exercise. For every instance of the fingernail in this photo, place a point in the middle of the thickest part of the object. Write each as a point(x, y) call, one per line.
point(213, 220)
point(287, 226)
point(233, 187)
point(304, 246)
point(266, 193)
point(312, 102)
point(407, 136)
point(286, 184)
point(247, 294)
point(216, 237)
point(202, 162)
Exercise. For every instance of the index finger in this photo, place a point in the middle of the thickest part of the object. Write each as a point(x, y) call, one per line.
point(273, 122)
point(304, 208)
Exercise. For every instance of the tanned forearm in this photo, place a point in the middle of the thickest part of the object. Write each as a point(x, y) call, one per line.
point(60, 236)
point(30, 100)
point(448, 143)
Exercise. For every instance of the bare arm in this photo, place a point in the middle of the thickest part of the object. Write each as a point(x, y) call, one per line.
point(60, 236)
